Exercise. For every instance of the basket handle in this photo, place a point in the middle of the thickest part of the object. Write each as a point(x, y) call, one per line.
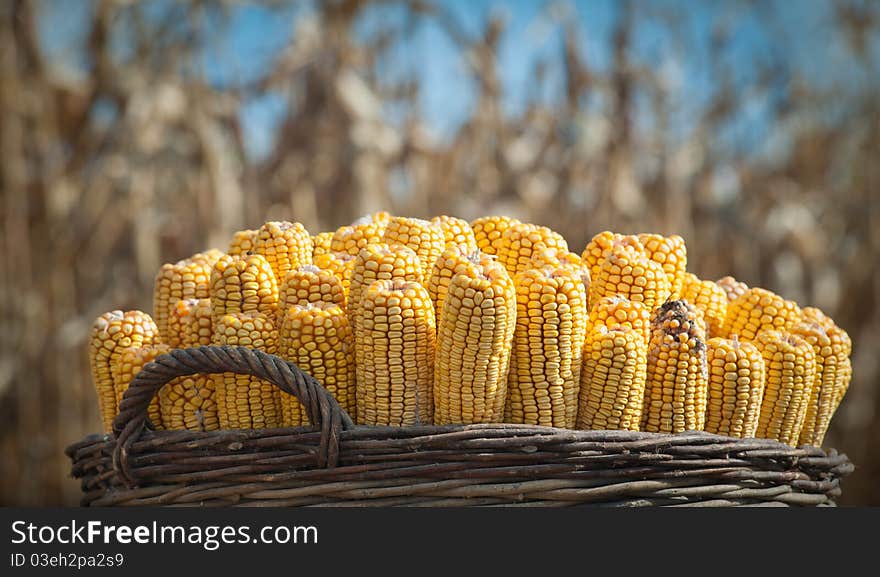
point(322, 409)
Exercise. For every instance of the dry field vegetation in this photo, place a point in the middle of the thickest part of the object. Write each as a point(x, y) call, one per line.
point(135, 159)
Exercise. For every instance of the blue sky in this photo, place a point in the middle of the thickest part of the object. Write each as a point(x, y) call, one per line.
point(800, 35)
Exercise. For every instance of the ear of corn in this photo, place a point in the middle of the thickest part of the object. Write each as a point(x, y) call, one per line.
point(628, 273)
point(317, 338)
point(790, 365)
point(551, 324)
point(756, 310)
point(321, 244)
point(709, 298)
point(310, 284)
point(397, 342)
point(732, 287)
point(600, 246)
point(339, 263)
point(670, 253)
point(475, 335)
point(111, 333)
point(612, 311)
point(376, 262)
point(243, 243)
point(556, 258)
point(522, 241)
point(456, 232)
point(243, 285)
point(351, 239)
point(128, 364)
point(677, 378)
point(185, 279)
point(736, 387)
point(613, 379)
point(243, 401)
point(285, 246)
point(828, 348)
point(488, 231)
point(189, 324)
point(454, 260)
point(423, 237)
point(380, 218)
point(812, 314)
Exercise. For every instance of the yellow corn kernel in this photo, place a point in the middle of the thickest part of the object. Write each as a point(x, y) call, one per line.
point(423, 237)
point(243, 401)
point(628, 273)
point(317, 338)
point(351, 239)
point(339, 263)
point(522, 241)
point(709, 298)
point(190, 324)
point(111, 333)
point(545, 367)
point(243, 243)
point(397, 343)
point(812, 314)
point(790, 365)
point(454, 260)
point(243, 285)
point(474, 340)
point(184, 279)
point(732, 287)
point(309, 284)
point(670, 253)
point(285, 245)
point(676, 390)
point(599, 247)
point(613, 379)
point(615, 310)
point(488, 231)
point(128, 364)
point(756, 310)
point(456, 232)
point(736, 387)
point(321, 244)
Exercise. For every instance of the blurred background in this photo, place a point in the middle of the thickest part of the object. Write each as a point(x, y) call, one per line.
point(135, 133)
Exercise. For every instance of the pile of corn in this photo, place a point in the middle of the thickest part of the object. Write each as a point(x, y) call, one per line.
point(408, 321)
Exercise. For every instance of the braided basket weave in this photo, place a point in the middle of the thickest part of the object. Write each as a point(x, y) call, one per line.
point(338, 463)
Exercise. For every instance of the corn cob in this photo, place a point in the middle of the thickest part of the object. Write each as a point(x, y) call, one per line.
point(551, 324)
point(318, 339)
point(184, 279)
point(488, 231)
point(475, 335)
point(671, 253)
point(351, 239)
point(613, 379)
point(423, 237)
point(382, 218)
point(377, 262)
point(243, 243)
point(756, 310)
point(790, 365)
point(285, 245)
point(599, 247)
point(397, 343)
point(736, 387)
point(454, 260)
point(242, 285)
point(189, 402)
point(243, 401)
point(732, 287)
point(309, 284)
point(677, 380)
point(812, 314)
point(128, 364)
point(616, 310)
point(339, 263)
point(190, 324)
point(709, 298)
point(828, 349)
point(628, 273)
point(522, 241)
point(556, 258)
point(321, 244)
point(111, 333)
point(456, 232)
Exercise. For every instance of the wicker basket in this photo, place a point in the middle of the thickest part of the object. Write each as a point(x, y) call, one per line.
point(338, 463)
